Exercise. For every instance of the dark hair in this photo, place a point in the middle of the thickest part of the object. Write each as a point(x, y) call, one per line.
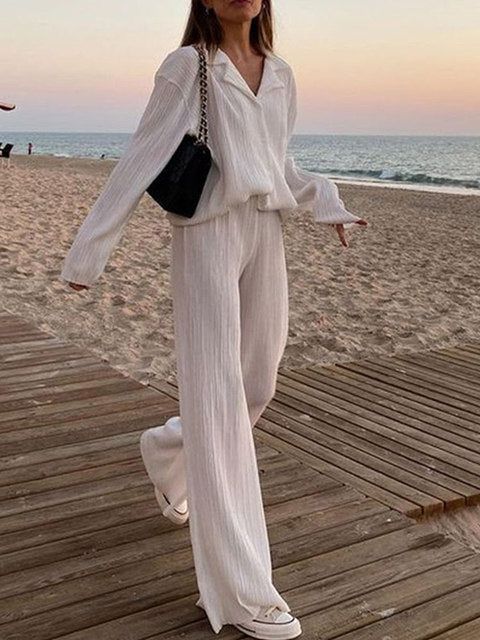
point(203, 28)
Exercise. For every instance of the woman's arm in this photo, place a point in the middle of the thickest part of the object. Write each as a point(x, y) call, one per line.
point(162, 126)
point(310, 189)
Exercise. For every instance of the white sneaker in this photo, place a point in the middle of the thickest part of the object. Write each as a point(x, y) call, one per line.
point(177, 513)
point(271, 624)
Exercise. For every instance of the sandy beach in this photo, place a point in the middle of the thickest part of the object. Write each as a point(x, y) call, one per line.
point(407, 282)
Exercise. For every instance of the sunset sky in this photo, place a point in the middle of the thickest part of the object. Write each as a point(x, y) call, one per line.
point(362, 66)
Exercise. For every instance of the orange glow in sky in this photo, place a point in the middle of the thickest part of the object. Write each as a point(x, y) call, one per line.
point(375, 66)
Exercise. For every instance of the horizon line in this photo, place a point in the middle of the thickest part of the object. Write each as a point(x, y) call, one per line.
point(397, 135)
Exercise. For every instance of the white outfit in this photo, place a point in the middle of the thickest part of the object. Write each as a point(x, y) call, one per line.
point(230, 303)
point(248, 138)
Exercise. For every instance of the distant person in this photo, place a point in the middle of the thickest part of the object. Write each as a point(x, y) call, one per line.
point(30, 148)
point(5, 154)
point(102, 157)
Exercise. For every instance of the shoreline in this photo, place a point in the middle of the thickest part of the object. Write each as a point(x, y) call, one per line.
point(385, 184)
point(408, 282)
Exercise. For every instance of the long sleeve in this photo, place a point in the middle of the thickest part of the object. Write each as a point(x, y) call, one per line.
point(161, 128)
point(311, 190)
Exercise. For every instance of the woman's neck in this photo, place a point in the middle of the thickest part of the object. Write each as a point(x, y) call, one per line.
point(236, 40)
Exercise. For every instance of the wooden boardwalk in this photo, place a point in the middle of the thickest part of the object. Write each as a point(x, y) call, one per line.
point(405, 430)
point(85, 554)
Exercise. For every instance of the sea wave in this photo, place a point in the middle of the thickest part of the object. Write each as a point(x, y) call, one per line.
point(390, 175)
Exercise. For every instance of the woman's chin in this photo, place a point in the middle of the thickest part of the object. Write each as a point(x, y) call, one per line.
point(242, 10)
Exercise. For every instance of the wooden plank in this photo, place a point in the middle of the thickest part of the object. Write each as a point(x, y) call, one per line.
point(65, 471)
point(406, 458)
point(108, 403)
point(47, 355)
point(142, 551)
point(470, 364)
point(51, 392)
point(376, 441)
point(337, 527)
point(354, 618)
point(23, 479)
point(355, 379)
point(371, 460)
point(58, 378)
point(429, 361)
point(425, 376)
point(310, 504)
point(101, 599)
point(263, 451)
point(301, 438)
point(147, 620)
point(418, 623)
point(446, 404)
point(148, 415)
point(120, 528)
point(388, 533)
point(467, 631)
point(129, 494)
point(387, 383)
point(57, 488)
point(49, 524)
point(41, 371)
point(290, 489)
point(20, 338)
point(31, 576)
point(385, 557)
point(119, 478)
point(373, 490)
point(470, 348)
point(86, 553)
point(96, 411)
point(25, 342)
point(54, 396)
point(311, 562)
point(332, 528)
point(404, 430)
point(377, 410)
point(139, 627)
point(118, 602)
point(28, 347)
point(169, 388)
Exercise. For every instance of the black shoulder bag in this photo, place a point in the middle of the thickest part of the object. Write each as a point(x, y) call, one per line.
point(179, 185)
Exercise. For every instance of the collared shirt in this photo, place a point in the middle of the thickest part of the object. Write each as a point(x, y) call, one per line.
point(248, 136)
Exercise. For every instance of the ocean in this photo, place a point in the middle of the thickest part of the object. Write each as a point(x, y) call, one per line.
point(445, 163)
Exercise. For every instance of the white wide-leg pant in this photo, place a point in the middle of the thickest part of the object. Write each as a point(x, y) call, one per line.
point(230, 303)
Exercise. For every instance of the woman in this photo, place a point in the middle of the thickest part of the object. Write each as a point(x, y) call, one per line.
point(229, 292)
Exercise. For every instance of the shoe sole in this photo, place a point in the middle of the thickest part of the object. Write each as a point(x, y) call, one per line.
point(293, 633)
point(167, 509)
point(274, 634)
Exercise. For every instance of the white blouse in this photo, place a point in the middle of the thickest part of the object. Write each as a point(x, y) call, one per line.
point(248, 139)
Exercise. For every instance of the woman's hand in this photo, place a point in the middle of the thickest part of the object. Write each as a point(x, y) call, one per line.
point(341, 230)
point(78, 287)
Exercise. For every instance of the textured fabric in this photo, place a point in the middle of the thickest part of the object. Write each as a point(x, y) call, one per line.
point(248, 137)
point(230, 301)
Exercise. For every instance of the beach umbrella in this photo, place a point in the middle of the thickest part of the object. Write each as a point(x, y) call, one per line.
point(4, 106)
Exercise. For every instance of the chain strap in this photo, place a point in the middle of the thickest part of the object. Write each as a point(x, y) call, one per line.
point(203, 124)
